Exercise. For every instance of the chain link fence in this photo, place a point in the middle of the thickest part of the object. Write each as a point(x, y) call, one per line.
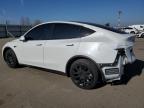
point(13, 30)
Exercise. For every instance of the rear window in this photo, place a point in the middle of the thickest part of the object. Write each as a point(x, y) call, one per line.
point(128, 28)
point(105, 27)
point(85, 31)
point(66, 31)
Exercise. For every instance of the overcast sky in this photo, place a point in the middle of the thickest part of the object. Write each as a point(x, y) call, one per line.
point(99, 11)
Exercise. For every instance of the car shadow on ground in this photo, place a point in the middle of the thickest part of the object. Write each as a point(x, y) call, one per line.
point(130, 71)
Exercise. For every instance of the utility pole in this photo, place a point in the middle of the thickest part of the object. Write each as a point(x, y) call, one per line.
point(119, 18)
point(3, 15)
point(5, 22)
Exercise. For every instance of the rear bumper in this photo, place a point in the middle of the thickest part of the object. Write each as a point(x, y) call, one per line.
point(114, 71)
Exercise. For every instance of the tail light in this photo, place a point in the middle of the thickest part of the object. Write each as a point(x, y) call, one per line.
point(121, 51)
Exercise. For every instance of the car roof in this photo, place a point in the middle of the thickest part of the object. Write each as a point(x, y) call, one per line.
point(80, 23)
point(103, 27)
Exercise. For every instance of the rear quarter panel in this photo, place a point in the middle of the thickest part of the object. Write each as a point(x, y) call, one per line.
point(99, 52)
point(98, 47)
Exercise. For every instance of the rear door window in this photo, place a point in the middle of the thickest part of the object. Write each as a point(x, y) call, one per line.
point(66, 31)
point(69, 31)
point(86, 31)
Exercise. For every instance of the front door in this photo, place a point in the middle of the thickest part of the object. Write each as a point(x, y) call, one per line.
point(31, 50)
point(62, 46)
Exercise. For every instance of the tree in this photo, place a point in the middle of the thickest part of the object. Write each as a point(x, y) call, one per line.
point(8, 22)
point(37, 21)
point(25, 21)
point(107, 24)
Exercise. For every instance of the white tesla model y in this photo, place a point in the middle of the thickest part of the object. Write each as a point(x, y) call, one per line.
point(84, 51)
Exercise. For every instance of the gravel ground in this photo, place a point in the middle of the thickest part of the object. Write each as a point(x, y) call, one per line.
point(29, 87)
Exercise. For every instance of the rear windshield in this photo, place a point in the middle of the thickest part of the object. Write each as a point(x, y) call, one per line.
point(105, 27)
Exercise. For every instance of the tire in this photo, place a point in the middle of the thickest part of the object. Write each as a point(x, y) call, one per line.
point(142, 35)
point(10, 58)
point(84, 74)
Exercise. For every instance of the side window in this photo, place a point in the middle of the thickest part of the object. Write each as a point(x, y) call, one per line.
point(42, 32)
point(66, 31)
point(86, 31)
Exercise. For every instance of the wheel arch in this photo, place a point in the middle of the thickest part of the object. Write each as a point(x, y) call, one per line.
point(132, 32)
point(72, 59)
point(5, 49)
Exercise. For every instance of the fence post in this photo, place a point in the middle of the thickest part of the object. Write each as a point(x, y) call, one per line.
point(20, 30)
point(6, 34)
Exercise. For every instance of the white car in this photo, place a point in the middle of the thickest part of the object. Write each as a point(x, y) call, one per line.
point(138, 27)
point(86, 52)
point(130, 30)
point(141, 35)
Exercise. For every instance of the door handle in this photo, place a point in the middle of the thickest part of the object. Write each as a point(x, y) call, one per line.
point(39, 45)
point(70, 45)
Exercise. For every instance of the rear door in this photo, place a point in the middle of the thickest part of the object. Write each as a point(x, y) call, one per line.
point(62, 46)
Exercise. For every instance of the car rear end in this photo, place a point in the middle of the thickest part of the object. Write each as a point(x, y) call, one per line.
point(125, 55)
point(110, 48)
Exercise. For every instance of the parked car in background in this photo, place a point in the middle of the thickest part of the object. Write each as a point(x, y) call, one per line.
point(140, 28)
point(86, 52)
point(141, 35)
point(130, 30)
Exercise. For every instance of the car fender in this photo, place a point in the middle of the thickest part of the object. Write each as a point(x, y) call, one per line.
point(8, 45)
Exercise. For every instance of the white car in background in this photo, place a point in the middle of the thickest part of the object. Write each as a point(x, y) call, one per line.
point(140, 28)
point(141, 35)
point(86, 52)
point(130, 30)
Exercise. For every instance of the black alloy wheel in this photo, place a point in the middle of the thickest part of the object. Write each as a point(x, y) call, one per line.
point(10, 58)
point(84, 74)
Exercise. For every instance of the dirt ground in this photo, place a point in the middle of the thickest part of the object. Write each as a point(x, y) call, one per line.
point(29, 87)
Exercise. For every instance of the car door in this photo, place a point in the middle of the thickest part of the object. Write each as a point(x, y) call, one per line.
point(30, 51)
point(62, 46)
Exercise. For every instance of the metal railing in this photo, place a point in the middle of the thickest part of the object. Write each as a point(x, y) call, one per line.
point(13, 30)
